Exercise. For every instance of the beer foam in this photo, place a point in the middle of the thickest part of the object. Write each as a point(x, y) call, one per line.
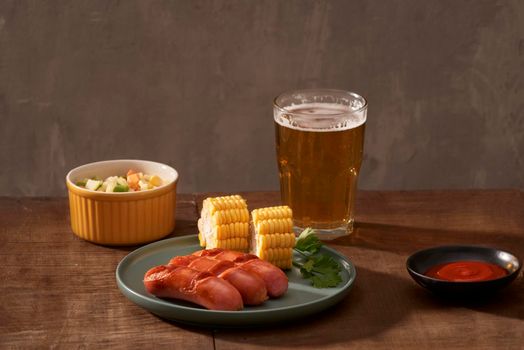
point(321, 117)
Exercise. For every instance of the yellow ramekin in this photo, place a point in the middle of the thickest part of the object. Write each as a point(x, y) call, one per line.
point(125, 218)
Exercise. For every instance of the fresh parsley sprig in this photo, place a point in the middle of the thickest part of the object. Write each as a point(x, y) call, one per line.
point(322, 270)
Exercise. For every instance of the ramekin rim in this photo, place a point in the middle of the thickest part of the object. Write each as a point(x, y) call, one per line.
point(113, 194)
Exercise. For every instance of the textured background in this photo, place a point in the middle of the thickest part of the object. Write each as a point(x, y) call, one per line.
point(190, 83)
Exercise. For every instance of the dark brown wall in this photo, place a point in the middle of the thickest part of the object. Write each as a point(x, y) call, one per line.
point(190, 83)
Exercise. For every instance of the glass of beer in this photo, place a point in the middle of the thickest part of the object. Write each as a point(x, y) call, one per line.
point(319, 142)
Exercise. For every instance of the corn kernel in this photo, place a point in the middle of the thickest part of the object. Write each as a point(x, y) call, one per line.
point(274, 238)
point(155, 180)
point(224, 223)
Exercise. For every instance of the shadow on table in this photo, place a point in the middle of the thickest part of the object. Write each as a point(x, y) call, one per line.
point(187, 327)
point(406, 240)
point(366, 312)
point(183, 228)
point(508, 302)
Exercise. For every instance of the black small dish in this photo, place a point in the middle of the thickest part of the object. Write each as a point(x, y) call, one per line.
point(420, 262)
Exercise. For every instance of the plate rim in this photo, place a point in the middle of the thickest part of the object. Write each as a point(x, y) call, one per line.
point(124, 288)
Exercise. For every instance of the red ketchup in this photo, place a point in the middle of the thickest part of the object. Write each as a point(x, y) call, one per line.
point(466, 271)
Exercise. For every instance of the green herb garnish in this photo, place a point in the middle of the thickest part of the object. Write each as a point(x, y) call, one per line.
point(321, 269)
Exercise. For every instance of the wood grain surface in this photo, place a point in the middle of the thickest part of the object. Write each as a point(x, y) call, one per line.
point(59, 291)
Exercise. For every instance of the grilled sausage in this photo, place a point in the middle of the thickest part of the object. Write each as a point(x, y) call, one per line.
point(185, 283)
point(250, 286)
point(275, 279)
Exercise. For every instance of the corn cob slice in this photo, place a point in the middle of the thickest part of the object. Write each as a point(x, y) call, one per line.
point(224, 223)
point(272, 235)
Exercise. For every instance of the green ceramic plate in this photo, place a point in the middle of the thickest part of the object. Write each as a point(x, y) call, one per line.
point(300, 300)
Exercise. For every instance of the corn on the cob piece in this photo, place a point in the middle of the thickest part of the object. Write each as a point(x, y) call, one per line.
point(272, 235)
point(224, 223)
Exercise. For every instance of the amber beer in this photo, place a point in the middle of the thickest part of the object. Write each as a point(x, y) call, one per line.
point(319, 150)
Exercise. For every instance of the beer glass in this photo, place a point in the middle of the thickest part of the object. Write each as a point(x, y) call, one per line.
point(319, 144)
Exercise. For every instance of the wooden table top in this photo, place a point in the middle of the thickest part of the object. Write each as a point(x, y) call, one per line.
point(60, 291)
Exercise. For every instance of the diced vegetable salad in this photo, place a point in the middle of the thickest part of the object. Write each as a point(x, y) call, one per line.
point(132, 182)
